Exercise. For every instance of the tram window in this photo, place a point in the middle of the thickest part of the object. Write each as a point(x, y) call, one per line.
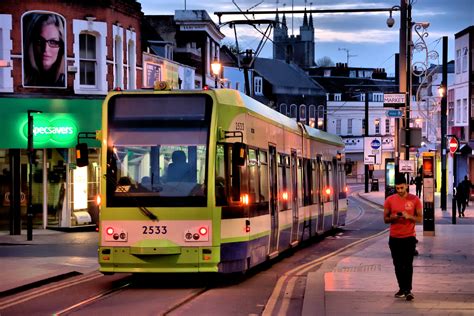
point(283, 183)
point(253, 176)
point(307, 180)
point(221, 195)
point(330, 181)
point(315, 181)
point(263, 170)
point(324, 182)
point(299, 178)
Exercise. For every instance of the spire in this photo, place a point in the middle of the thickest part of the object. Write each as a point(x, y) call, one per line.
point(310, 16)
point(305, 18)
point(277, 19)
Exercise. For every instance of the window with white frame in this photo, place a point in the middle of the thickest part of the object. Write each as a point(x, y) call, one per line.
point(464, 111)
point(377, 126)
point(284, 109)
point(352, 74)
point(118, 62)
point(337, 96)
point(464, 59)
point(338, 126)
point(90, 57)
point(131, 59)
point(387, 126)
point(458, 61)
point(457, 113)
point(377, 97)
point(6, 77)
point(87, 59)
point(349, 126)
point(257, 85)
point(362, 97)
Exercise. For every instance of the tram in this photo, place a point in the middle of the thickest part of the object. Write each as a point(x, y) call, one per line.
point(211, 181)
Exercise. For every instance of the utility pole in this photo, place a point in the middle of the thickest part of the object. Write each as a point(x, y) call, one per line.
point(366, 134)
point(408, 82)
point(444, 128)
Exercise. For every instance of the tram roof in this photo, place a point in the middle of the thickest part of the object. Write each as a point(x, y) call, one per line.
point(237, 98)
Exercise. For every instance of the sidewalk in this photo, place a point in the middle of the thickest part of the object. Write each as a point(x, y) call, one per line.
point(50, 255)
point(362, 280)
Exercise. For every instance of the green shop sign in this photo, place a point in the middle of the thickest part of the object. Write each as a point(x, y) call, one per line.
point(52, 130)
point(56, 127)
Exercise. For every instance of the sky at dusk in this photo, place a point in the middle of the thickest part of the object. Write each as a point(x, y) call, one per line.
point(363, 35)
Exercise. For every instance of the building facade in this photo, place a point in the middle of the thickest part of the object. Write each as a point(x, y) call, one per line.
point(59, 59)
point(461, 101)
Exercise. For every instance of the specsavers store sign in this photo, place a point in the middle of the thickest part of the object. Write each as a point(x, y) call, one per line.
point(52, 130)
point(56, 127)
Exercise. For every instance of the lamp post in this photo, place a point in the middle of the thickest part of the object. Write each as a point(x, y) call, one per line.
point(29, 212)
point(216, 69)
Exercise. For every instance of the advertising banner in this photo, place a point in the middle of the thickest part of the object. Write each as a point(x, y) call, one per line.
point(44, 50)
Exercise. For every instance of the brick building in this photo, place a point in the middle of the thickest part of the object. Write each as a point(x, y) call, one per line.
point(60, 58)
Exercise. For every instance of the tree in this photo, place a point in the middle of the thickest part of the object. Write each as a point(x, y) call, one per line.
point(325, 62)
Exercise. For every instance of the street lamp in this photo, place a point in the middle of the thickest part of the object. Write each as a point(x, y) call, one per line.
point(216, 69)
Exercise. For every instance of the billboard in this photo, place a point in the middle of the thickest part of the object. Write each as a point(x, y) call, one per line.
point(44, 50)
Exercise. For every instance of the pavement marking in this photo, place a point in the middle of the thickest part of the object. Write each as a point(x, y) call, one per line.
point(282, 282)
point(24, 297)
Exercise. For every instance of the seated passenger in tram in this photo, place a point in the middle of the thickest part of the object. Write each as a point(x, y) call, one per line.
point(179, 170)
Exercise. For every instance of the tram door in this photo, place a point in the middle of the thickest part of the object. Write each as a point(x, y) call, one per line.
point(273, 199)
point(336, 185)
point(294, 188)
point(320, 188)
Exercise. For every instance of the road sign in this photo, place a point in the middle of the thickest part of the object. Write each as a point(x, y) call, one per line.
point(394, 113)
point(406, 166)
point(394, 100)
point(372, 150)
point(453, 145)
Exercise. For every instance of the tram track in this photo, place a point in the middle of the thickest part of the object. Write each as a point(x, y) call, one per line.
point(29, 295)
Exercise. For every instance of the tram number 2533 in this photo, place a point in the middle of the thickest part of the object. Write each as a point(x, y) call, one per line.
point(154, 230)
point(239, 126)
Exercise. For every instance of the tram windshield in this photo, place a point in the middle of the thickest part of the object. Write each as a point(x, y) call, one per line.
point(158, 150)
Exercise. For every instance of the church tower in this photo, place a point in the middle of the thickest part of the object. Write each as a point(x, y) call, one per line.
point(294, 49)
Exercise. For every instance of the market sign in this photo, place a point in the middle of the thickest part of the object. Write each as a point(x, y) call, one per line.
point(52, 130)
point(394, 100)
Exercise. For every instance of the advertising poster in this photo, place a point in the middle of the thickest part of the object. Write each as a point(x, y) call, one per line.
point(44, 51)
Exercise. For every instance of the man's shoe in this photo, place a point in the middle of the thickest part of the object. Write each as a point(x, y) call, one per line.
point(400, 294)
point(409, 296)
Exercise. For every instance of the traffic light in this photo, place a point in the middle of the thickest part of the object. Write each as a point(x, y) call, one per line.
point(82, 155)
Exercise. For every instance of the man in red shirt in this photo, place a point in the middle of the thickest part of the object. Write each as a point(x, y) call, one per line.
point(402, 211)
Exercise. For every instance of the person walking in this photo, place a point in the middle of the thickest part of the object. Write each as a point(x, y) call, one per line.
point(418, 184)
point(402, 211)
point(467, 185)
point(461, 198)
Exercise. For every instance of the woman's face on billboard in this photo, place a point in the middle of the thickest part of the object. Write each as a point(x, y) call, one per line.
point(47, 46)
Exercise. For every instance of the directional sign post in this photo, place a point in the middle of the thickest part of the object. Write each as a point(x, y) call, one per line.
point(394, 113)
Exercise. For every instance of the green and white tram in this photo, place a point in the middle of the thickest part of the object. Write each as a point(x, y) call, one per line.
point(211, 181)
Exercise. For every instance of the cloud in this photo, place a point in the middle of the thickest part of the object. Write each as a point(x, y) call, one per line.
point(357, 36)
